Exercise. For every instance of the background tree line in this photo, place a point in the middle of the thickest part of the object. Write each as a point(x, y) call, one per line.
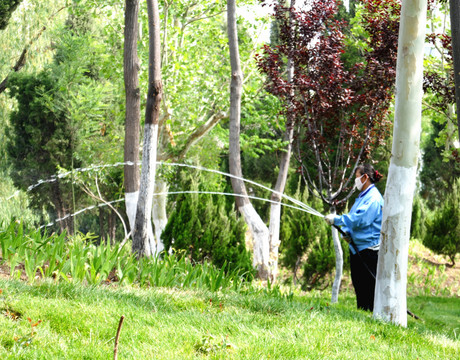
point(65, 109)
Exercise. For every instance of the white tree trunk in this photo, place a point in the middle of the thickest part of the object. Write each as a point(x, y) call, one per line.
point(131, 208)
point(274, 239)
point(275, 208)
point(142, 244)
point(259, 232)
point(159, 217)
point(390, 290)
point(338, 265)
point(257, 227)
point(132, 119)
point(146, 245)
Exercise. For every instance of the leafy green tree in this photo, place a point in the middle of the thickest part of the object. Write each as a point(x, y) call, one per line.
point(443, 228)
point(74, 107)
point(6, 9)
point(438, 173)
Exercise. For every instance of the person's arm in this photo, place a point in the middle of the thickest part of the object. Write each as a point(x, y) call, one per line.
point(363, 216)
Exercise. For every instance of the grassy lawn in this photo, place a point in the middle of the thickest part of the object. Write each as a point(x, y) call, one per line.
point(80, 322)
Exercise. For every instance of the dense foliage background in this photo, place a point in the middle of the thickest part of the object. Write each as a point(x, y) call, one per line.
point(64, 110)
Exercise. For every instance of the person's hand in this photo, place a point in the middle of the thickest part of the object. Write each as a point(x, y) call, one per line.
point(347, 238)
point(330, 218)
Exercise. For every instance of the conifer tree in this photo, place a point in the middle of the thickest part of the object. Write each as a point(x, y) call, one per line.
point(203, 227)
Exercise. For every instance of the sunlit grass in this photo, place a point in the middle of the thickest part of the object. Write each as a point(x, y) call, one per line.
point(178, 310)
point(80, 322)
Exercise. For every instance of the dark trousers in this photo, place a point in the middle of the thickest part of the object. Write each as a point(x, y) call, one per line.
point(363, 281)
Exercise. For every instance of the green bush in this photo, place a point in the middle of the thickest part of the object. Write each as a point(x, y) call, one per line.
point(305, 242)
point(320, 262)
point(443, 228)
point(417, 228)
point(203, 227)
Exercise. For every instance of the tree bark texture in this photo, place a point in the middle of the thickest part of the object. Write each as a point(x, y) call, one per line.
point(258, 229)
point(102, 236)
point(390, 292)
point(455, 33)
point(159, 218)
point(275, 208)
point(111, 226)
point(142, 244)
point(132, 122)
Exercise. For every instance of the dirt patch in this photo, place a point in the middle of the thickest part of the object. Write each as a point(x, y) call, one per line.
point(5, 271)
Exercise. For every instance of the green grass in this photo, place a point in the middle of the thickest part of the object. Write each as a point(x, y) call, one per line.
point(80, 322)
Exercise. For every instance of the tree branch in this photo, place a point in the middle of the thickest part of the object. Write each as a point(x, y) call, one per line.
point(100, 198)
point(436, 110)
point(22, 59)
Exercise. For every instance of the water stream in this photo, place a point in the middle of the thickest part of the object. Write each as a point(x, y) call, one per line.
point(299, 205)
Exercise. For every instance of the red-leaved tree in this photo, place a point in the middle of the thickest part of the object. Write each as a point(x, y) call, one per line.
point(339, 110)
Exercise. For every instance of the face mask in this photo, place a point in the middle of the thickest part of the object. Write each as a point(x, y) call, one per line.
point(359, 185)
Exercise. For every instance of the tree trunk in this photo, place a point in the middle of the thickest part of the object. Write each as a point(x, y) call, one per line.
point(111, 226)
point(256, 226)
point(102, 237)
point(338, 265)
point(390, 291)
point(142, 243)
point(132, 122)
point(455, 32)
point(159, 217)
point(66, 224)
point(275, 208)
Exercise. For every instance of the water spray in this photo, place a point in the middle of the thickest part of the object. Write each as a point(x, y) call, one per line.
point(306, 208)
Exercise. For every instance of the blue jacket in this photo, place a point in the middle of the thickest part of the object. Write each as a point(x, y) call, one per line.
point(364, 220)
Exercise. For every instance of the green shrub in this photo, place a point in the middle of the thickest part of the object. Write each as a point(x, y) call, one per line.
point(305, 242)
point(443, 228)
point(320, 263)
point(205, 229)
point(417, 225)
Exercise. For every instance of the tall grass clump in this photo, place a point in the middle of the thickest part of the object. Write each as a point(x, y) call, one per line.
point(32, 255)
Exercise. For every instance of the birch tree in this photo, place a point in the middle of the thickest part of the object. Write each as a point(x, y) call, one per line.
point(256, 225)
point(390, 291)
point(275, 206)
point(142, 243)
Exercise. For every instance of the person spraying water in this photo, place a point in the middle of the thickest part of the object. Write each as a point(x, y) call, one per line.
point(361, 227)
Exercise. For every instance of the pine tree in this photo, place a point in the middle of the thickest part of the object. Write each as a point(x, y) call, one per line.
point(305, 242)
point(205, 229)
point(443, 229)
